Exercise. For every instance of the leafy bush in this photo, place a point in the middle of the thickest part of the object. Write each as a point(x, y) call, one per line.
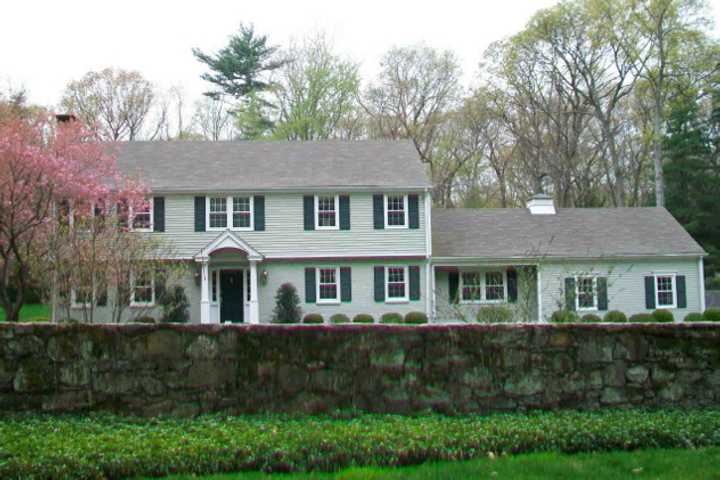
point(50, 446)
point(339, 318)
point(416, 318)
point(175, 305)
point(144, 319)
point(642, 318)
point(564, 316)
point(712, 315)
point(663, 316)
point(591, 318)
point(363, 318)
point(314, 318)
point(615, 316)
point(391, 317)
point(494, 314)
point(694, 317)
point(287, 305)
point(69, 321)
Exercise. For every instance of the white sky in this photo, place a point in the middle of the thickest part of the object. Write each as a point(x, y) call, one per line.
point(45, 44)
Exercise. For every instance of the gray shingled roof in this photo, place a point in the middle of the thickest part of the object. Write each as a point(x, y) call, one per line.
point(571, 233)
point(218, 166)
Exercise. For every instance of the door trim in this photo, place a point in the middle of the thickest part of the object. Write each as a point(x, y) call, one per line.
point(246, 278)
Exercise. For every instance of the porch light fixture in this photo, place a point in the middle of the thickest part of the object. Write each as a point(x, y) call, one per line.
point(264, 277)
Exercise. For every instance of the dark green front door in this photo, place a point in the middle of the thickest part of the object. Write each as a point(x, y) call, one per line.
point(231, 293)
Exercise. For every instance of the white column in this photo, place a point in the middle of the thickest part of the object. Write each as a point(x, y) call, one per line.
point(539, 294)
point(254, 309)
point(204, 293)
point(701, 283)
point(433, 292)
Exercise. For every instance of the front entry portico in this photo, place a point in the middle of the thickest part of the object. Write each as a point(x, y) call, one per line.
point(228, 280)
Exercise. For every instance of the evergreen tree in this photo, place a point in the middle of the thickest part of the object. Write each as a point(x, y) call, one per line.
point(287, 305)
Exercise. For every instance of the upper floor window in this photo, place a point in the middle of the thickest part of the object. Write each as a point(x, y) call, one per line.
point(231, 211)
point(396, 212)
point(665, 296)
point(482, 287)
point(586, 293)
point(396, 284)
point(142, 217)
point(326, 212)
point(327, 285)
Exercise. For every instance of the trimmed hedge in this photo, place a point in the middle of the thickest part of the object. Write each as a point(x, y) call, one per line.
point(591, 318)
point(144, 319)
point(694, 317)
point(313, 318)
point(106, 446)
point(712, 315)
point(663, 316)
point(564, 316)
point(339, 318)
point(391, 317)
point(416, 318)
point(615, 316)
point(642, 318)
point(494, 314)
point(363, 318)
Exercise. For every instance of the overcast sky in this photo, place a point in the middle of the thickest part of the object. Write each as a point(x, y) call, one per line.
point(44, 44)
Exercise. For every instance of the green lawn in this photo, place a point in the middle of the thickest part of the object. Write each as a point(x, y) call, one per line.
point(697, 464)
point(31, 313)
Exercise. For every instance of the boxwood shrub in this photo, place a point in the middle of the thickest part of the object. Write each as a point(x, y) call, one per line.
point(615, 316)
point(313, 318)
point(663, 316)
point(391, 317)
point(642, 318)
point(339, 318)
point(144, 319)
point(416, 318)
point(94, 446)
point(712, 315)
point(363, 318)
point(591, 318)
point(564, 316)
point(694, 317)
point(494, 314)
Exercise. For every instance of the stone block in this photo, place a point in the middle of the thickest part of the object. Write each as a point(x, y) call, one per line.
point(637, 374)
point(612, 396)
point(529, 383)
point(203, 347)
point(34, 376)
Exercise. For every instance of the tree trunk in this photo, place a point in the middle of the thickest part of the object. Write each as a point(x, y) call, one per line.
point(657, 157)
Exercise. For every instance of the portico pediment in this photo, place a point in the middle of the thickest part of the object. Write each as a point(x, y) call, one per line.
point(228, 241)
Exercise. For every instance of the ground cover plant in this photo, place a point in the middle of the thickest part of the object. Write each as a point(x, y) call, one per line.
point(31, 313)
point(94, 446)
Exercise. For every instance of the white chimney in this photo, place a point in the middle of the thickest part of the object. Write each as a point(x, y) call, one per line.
point(541, 204)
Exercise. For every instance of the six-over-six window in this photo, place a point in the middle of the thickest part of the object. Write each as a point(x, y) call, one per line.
point(396, 284)
point(327, 285)
point(482, 287)
point(396, 213)
point(665, 291)
point(326, 212)
point(586, 293)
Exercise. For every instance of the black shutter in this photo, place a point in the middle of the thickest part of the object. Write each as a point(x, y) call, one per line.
point(199, 214)
point(414, 273)
point(413, 211)
point(453, 285)
point(602, 293)
point(378, 212)
point(512, 285)
point(310, 295)
point(344, 201)
point(379, 284)
point(570, 294)
point(650, 293)
point(259, 212)
point(345, 284)
point(159, 214)
point(681, 291)
point(309, 212)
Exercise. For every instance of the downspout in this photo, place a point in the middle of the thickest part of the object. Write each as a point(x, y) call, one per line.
point(701, 283)
point(429, 274)
point(539, 295)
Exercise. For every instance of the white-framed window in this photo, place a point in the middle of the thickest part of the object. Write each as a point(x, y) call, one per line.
point(483, 286)
point(142, 217)
point(326, 212)
point(328, 285)
point(396, 212)
point(142, 287)
point(233, 211)
point(665, 291)
point(586, 295)
point(81, 296)
point(396, 284)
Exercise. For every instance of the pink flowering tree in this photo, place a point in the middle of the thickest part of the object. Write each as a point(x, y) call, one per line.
point(48, 170)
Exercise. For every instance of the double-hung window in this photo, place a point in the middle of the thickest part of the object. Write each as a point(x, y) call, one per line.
point(142, 283)
point(396, 213)
point(326, 212)
point(234, 212)
point(82, 295)
point(586, 297)
point(327, 285)
point(665, 293)
point(396, 284)
point(482, 287)
point(142, 217)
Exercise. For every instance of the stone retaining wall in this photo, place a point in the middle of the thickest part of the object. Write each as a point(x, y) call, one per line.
point(185, 370)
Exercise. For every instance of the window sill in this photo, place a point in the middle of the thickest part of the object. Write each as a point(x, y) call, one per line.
point(241, 229)
point(399, 300)
point(142, 305)
point(588, 309)
point(216, 229)
point(142, 230)
point(396, 227)
point(483, 302)
point(317, 227)
point(328, 302)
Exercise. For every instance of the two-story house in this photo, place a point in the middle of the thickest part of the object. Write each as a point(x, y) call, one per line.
point(351, 226)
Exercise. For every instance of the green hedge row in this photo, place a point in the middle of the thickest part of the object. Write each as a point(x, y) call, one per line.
point(106, 446)
point(614, 316)
point(411, 318)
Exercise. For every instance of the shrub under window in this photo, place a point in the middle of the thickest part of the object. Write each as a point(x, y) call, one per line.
point(494, 314)
point(314, 318)
point(363, 318)
point(712, 315)
point(615, 316)
point(663, 316)
point(416, 318)
point(391, 317)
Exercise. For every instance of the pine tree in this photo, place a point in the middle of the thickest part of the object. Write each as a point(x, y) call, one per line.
point(287, 305)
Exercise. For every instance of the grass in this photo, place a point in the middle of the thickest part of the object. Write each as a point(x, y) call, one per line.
point(34, 446)
point(31, 313)
point(652, 464)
